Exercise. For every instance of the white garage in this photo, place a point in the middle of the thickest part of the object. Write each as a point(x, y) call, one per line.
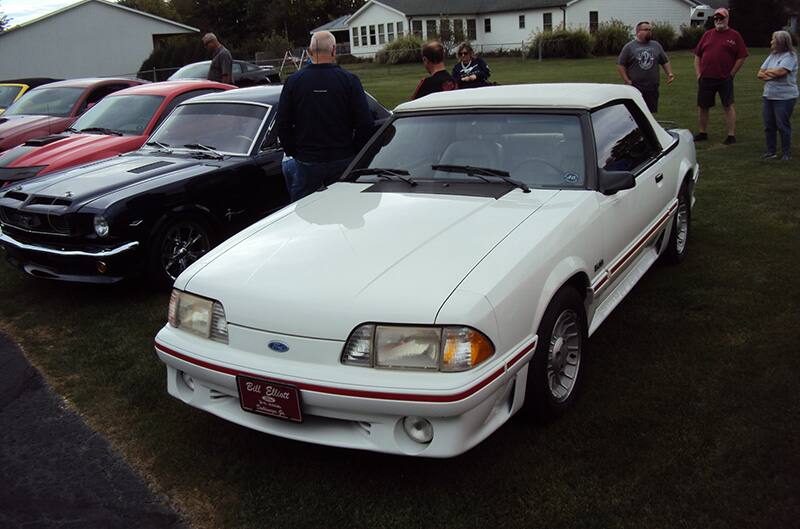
point(86, 39)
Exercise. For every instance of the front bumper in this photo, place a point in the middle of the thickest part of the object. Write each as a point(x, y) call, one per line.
point(352, 410)
point(71, 264)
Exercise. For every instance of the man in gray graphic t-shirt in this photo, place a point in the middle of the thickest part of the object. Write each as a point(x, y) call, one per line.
point(221, 69)
point(638, 65)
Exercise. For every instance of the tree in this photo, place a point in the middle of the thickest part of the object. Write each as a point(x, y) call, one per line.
point(757, 20)
point(159, 8)
point(3, 22)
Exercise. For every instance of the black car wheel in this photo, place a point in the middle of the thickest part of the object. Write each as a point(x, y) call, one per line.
point(555, 372)
point(677, 246)
point(178, 244)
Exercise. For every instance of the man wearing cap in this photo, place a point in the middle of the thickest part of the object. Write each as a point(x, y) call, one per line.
point(638, 64)
point(717, 58)
point(323, 119)
point(221, 69)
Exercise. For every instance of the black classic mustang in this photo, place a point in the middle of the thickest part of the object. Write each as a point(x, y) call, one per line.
point(212, 168)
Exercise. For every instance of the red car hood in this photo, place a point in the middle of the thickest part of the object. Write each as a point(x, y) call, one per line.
point(17, 129)
point(69, 151)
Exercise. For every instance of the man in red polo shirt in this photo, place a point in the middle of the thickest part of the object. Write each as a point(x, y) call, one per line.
point(717, 57)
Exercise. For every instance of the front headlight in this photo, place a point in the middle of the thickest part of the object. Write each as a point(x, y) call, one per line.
point(101, 226)
point(201, 316)
point(435, 348)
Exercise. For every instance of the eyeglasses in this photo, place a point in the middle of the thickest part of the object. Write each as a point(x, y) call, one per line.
point(718, 17)
point(463, 53)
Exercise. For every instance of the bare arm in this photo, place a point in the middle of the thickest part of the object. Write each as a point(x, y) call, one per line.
point(668, 70)
point(762, 74)
point(737, 66)
point(774, 73)
point(624, 74)
point(697, 66)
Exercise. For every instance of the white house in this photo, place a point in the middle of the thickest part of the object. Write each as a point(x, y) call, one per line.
point(86, 39)
point(506, 24)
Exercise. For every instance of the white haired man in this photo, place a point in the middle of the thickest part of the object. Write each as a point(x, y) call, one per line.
point(221, 69)
point(323, 118)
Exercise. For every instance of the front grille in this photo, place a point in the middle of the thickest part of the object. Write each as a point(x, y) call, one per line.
point(35, 222)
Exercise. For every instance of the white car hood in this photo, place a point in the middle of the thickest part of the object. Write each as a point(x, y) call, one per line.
point(344, 257)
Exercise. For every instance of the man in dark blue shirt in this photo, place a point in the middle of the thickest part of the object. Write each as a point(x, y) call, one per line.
point(323, 118)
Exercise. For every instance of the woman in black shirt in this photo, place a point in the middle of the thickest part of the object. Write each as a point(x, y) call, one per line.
point(470, 71)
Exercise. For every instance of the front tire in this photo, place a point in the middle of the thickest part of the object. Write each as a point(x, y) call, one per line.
point(178, 244)
point(677, 245)
point(556, 371)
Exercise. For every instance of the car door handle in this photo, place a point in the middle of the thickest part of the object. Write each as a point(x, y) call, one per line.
point(659, 178)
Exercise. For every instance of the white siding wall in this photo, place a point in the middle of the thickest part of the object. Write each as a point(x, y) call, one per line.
point(676, 12)
point(91, 40)
point(506, 32)
point(372, 17)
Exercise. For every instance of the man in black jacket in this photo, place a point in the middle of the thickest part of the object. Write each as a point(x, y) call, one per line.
point(323, 118)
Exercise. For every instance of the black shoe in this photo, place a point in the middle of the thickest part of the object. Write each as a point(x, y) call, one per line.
point(769, 156)
point(700, 136)
point(730, 140)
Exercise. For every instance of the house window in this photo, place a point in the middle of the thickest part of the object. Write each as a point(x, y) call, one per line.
point(355, 37)
point(593, 21)
point(390, 31)
point(458, 29)
point(381, 34)
point(522, 22)
point(364, 35)
point(372, 39)
point(416, 28)
point(430, 28)
point(487, 25)
point(547, 22)
point(472, 32)
point(399, 29)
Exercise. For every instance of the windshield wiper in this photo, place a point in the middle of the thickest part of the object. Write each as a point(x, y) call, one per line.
point(482, 172)
point(388, 174)
point(102, 130)
point(72, 129)
point(206, 149)
point(162, 146)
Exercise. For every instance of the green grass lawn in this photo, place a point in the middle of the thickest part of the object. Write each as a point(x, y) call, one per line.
point(691, 416)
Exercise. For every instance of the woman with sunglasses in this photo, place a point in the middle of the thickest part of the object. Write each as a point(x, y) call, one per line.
point(470, 71)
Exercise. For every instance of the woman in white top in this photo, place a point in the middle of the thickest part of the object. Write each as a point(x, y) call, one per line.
point(779, 73)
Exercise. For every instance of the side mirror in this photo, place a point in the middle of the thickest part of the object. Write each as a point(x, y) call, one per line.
point(271, 144)
point(609, 182)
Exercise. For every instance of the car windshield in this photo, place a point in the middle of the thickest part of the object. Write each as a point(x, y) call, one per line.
point(192, 71)
point(540, 150)
point(57, 102)
point(223, 127)
point(128, 114)
point(8, 94)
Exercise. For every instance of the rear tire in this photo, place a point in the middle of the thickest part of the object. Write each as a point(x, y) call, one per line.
point(555, 373)
point(677, 245)
point(176, 245)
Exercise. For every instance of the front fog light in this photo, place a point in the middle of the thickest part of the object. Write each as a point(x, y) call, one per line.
point(101, 226)
point(419, 429)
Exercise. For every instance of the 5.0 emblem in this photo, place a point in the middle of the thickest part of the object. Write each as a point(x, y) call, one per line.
point(278, 347)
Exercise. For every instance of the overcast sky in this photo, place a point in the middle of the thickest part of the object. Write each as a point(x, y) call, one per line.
point(19, 11)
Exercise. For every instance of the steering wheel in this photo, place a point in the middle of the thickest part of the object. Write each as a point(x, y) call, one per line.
point(534, 165)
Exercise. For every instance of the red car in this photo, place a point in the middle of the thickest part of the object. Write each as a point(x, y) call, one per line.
point(120, 123)
point(52, 108)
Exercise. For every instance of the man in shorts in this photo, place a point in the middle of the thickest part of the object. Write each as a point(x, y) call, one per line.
point(718, 56)
point(638, 65)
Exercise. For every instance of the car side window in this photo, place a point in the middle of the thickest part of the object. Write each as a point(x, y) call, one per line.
point(177, 100)
point(237, 68)
point(99, 93)
point(622, 145)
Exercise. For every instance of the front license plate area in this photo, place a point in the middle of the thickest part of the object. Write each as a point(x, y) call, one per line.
point(273, 399)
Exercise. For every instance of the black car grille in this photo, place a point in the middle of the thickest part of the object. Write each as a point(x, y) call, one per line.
point(35, 222)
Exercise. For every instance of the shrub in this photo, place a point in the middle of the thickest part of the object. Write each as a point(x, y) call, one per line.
point(274, 46)
point(610, 37)
point(407, 49)
point(664, 34)
point(689, 37)
point(171, 54)
point(568, 43)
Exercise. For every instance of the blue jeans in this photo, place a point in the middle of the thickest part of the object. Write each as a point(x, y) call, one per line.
point(777, 118)
point(309, 177)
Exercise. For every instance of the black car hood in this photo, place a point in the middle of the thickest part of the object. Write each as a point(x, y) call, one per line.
point(89, 183)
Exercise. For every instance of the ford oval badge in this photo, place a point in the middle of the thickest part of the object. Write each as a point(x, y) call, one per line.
point(278, 347)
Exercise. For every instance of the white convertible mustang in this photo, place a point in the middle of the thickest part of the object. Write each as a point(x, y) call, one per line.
point(454, 273)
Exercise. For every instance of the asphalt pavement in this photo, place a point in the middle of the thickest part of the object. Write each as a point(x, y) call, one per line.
point(56, 472)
